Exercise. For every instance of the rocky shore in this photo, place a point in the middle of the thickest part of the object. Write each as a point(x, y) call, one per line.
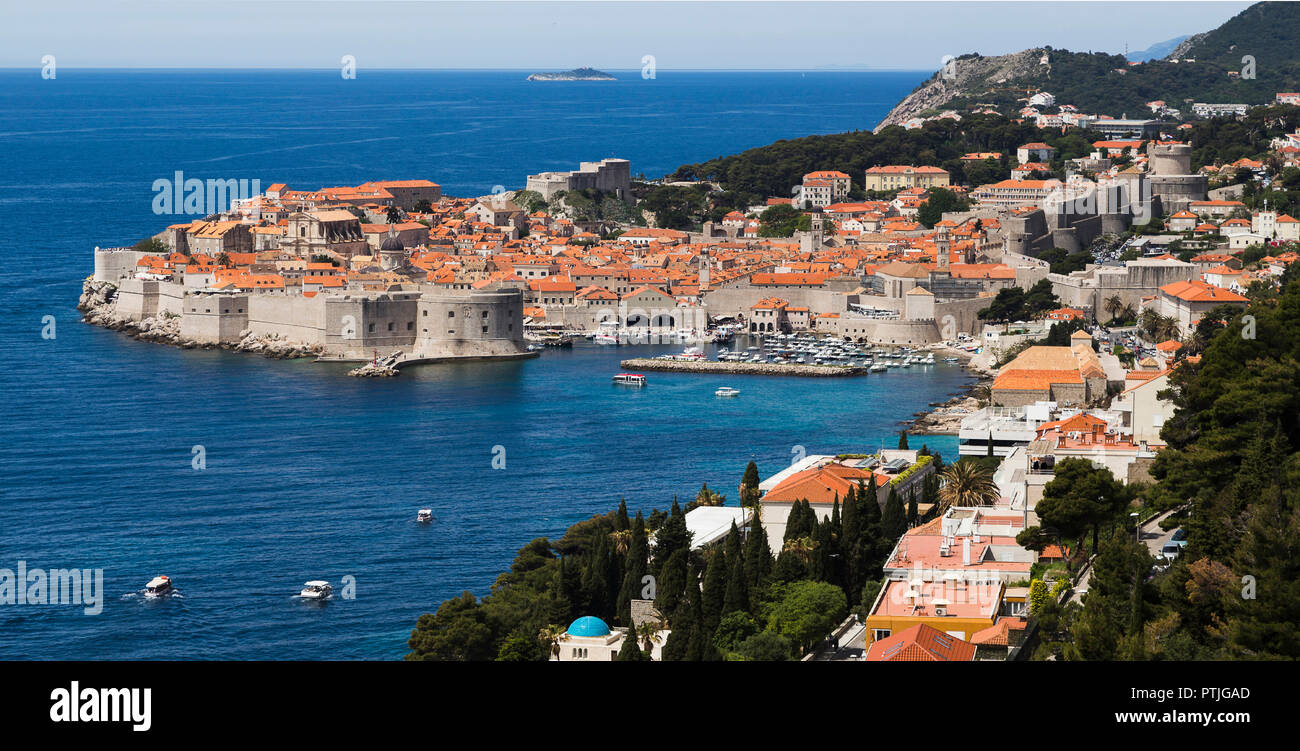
point(97, 304)
point(373, 370)
point(741, 368)
point(944, 418)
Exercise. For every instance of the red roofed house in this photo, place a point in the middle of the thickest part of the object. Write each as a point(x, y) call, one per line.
point(1186, 302)
point(921, 643)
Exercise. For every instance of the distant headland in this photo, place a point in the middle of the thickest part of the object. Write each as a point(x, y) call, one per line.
point(577, 74)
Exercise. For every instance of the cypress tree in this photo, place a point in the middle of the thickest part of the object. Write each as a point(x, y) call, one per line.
point(758, 555)
point(670, 582)
point(621, 522)
point(749, 492)
point(637, 555)
point(630, 651)
point(893, 522)
point(732, 549)
point(671, 537)
point(851, 546)
point(911, 507)
point(715, 590)
point(902, 439)
point(737, 597)
point(595, 581)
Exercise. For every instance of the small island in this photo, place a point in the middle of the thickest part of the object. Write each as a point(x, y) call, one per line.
point(577, 74)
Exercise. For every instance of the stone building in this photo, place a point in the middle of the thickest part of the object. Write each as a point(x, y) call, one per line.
point(331, 231)
point(607, 175)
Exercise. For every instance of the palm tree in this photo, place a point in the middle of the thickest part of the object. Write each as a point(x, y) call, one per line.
point(708, 497)
point(648, 634)
point(622, 539)
point(967, 484)
point(983, 394)
point(1113, 305)
point(550, 637)
point(802, 547)
point(1129, 313)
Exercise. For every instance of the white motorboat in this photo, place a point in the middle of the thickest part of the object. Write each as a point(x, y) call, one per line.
point(630, 379)
point(158, 586)
point(316, 590)
point(726, 391)
point(424, 515)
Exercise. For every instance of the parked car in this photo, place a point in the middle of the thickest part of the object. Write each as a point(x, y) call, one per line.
point(1179, 537)
point(1170, 551)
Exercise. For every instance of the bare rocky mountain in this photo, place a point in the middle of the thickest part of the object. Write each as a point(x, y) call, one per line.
point(968, 76)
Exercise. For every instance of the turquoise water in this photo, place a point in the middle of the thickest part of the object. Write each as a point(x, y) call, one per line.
point(310, 474)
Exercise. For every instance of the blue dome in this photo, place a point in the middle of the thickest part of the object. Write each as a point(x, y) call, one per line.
point(588, 625)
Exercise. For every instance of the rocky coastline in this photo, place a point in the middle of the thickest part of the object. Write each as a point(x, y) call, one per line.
point(944, 418)
point(97, 305)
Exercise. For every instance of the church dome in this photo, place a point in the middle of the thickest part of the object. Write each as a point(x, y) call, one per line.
point(391, 243)
point(588, 625)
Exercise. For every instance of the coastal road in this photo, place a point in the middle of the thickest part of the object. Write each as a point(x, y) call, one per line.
point(1149, 532)
point(852, 646)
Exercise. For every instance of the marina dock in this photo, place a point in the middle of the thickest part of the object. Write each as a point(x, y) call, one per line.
point(742, 368)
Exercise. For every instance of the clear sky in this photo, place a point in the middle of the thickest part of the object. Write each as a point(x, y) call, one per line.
point(558, 36)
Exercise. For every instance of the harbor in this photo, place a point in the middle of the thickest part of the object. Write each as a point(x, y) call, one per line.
point(741, 368)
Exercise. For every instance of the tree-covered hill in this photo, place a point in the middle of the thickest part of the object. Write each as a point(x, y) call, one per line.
point(775, 169)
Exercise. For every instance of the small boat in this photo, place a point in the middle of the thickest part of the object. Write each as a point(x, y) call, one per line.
point(158, 586)
point(424, 515)
point(726, 391)
point(630, 379)
point(606, 339)
point(879, 368)
point(950, 359)
point(316, 590)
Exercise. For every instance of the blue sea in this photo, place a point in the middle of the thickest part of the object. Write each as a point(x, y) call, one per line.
point(309, 474)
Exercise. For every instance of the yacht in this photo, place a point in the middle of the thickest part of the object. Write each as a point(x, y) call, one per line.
point(879, 368)
point(424, 515)
point(158, 586)
point(316, 590)
point(607, 333)
point(726, 391)
point(630, 379)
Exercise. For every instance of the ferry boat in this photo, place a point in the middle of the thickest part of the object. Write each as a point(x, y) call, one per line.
point(158, 586)
point(630, 379)
point(726, 391)
point(316, 590)
point(424, 515)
